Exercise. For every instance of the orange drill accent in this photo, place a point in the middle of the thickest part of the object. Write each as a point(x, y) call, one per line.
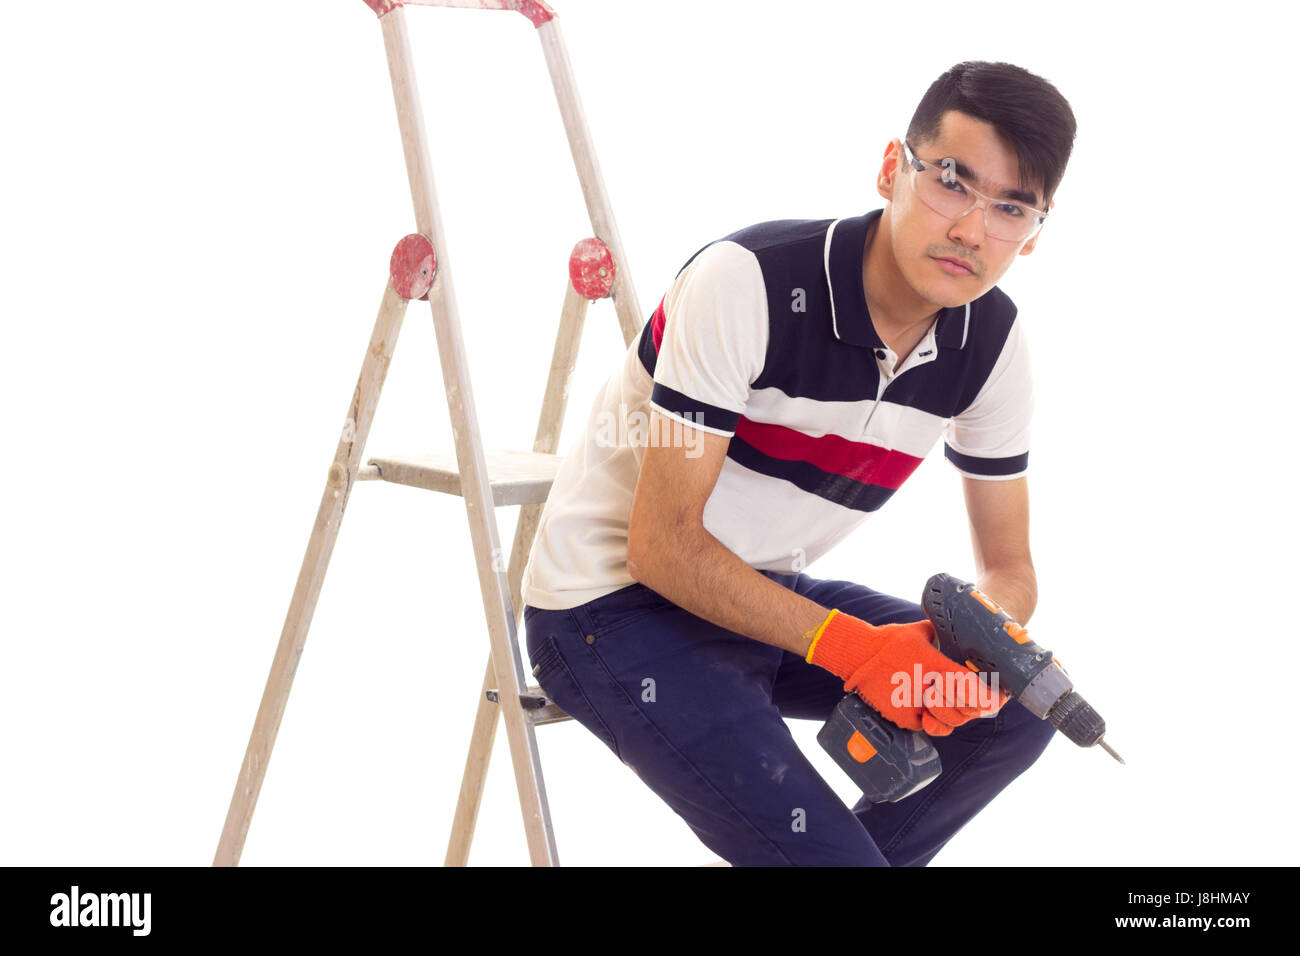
point(986, 601)
point(1018, 633)
point(860, 748)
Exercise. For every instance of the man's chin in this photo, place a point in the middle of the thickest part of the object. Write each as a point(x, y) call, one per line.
point(949, 297)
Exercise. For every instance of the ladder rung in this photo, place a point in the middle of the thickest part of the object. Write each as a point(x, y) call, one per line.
point(516, 477)
point(538, 708)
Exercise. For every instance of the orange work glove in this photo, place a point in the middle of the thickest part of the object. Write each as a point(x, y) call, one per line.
point(868, 656)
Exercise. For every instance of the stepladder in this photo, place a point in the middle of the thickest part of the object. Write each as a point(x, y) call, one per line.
point(419, 269)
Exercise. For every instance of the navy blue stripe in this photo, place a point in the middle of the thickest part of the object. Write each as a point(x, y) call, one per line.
point(987, 466)
point(837, 488)
point(646, 348)
point(694, 410)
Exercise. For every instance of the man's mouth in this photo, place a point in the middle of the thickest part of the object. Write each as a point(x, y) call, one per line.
point(954, 266)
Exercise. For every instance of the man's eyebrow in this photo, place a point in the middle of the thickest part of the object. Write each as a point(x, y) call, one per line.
point(965, 172)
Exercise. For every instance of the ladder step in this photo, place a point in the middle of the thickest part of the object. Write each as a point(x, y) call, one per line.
point(538, 708)
point(516, 477)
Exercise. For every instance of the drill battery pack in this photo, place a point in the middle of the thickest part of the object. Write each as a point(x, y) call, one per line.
point(887, 762)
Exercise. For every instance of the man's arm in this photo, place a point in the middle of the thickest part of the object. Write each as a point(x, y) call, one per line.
point(999, 524)
point(670, 552)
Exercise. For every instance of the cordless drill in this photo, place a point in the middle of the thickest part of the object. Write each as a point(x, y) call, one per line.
point(888, 763)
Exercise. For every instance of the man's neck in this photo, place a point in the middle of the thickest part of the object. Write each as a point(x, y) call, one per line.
point(896, 310)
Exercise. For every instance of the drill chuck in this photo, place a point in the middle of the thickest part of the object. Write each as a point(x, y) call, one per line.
point(1073, 717)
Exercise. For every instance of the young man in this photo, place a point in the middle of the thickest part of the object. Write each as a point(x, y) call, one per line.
point(793, 376)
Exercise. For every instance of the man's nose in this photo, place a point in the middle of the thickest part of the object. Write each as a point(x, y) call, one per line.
point(969, 229)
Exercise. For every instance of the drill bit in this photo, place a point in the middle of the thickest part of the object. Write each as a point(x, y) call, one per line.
point(1106, 747)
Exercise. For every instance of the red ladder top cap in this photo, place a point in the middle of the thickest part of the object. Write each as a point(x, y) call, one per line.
point(536, 11)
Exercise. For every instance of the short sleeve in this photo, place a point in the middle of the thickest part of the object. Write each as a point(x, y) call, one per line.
point(714, 339)
point(990, 438)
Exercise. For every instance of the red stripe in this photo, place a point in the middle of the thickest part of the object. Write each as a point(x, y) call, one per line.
point(657, 325)
point(869, 464)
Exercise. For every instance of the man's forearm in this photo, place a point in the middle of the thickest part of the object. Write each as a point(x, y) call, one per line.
point(700, 574)
point(1015, 589)
point(695, 571)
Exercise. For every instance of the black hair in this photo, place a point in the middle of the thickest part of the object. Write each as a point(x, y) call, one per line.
point(1028, 112)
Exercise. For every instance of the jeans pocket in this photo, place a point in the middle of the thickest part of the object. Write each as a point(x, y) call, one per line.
point(616, 611)
point(556, 679)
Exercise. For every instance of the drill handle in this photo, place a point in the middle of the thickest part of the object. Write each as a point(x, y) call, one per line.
point(973, 630)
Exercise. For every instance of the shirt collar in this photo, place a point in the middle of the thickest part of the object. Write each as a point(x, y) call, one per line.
point(846, 240)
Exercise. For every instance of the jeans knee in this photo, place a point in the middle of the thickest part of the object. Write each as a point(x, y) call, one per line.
point(1032, 739)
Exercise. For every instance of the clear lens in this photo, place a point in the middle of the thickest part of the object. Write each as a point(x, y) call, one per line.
point(941, 190)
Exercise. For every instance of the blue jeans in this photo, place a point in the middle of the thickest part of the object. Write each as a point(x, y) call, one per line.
point(696, 711)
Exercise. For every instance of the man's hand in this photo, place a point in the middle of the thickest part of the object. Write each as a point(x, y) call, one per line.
point(879, 663)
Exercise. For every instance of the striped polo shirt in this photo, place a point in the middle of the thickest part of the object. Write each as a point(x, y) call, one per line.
point(765, 336)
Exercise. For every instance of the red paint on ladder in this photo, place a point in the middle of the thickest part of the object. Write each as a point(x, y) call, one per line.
point(535, 10)
point(413, 267)
point(383, 6)
point(591, 269)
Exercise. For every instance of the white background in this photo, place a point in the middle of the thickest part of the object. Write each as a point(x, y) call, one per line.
point(197, 206)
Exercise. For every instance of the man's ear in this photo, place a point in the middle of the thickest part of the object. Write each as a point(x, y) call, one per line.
point(1029, 246)
point(890, 169)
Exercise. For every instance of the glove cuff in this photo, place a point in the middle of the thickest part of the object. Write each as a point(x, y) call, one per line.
point(842, 644)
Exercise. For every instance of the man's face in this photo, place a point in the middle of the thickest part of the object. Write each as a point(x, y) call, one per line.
point(921, 237)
